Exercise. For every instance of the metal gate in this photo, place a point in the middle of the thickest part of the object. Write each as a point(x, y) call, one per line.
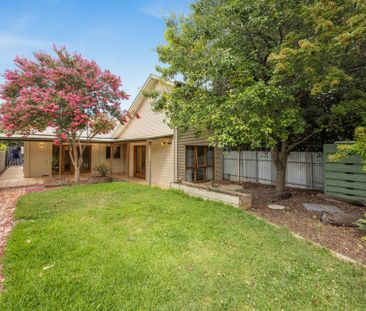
point(14, 156)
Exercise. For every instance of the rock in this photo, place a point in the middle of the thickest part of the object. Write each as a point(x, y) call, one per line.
point(339, 219)
point(321, 208)
point(276, 207)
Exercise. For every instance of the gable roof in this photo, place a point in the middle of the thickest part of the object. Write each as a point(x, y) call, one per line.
point(139, 100)
point(113, 136)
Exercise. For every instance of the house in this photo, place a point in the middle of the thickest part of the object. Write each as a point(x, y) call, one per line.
point(145, 148)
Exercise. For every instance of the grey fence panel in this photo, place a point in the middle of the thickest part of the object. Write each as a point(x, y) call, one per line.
point(304, 169)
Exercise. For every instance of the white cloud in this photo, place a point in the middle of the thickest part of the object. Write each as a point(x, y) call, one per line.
point(10, 41)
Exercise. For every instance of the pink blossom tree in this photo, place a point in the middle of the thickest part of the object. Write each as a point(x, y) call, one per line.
point(68, 93)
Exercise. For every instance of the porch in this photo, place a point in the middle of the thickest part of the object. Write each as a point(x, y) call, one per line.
point(147, 161)
point(13, 177)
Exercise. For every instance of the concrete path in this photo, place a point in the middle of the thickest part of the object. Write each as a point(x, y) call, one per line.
point(13, 177)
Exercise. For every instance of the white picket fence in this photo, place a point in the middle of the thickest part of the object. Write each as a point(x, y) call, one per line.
point(304, 169)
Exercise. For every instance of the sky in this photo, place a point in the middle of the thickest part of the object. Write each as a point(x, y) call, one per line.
point(120, 35)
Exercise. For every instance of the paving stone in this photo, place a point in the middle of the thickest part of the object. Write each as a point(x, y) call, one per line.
point(276, 206)
point(321, 208)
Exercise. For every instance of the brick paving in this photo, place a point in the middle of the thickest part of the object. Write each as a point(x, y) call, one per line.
point(8, 200)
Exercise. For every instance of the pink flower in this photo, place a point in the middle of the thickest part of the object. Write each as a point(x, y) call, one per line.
point(42, 92)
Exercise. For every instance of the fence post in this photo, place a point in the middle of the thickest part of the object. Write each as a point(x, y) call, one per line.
point(238, 165)
point(256, 166)
point(312, 170)
point(222, 164)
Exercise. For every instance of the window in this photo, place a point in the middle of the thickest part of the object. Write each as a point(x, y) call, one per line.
point(199, 163)
point(117, 152)
point(108, 152)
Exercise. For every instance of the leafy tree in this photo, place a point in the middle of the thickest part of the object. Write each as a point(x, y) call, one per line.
point(68, 93)
point(356, 148)
point(271, 74)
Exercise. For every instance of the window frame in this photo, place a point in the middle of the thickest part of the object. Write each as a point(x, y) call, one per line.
point(195, 166)
point(108, 152)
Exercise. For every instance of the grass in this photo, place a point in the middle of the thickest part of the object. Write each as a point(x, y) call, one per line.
point(129, 247)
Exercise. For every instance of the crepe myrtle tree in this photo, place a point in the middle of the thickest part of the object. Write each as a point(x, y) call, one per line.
point(66, 92)
point(266, 74)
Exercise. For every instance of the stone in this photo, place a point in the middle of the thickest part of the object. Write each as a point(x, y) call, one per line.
point(276, 207)
point(312, 207)
point(339, 219)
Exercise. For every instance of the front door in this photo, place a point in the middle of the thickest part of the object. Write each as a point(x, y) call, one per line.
point(140, 162)
point(66, 164)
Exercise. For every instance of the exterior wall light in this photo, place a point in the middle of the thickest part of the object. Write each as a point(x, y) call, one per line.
point(165, 143)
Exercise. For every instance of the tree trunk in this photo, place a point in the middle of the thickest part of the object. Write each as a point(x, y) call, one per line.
point(76, 159)
point(279, 156)
point(77, 174)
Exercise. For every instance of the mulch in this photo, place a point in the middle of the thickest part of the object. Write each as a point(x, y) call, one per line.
point(344, 240)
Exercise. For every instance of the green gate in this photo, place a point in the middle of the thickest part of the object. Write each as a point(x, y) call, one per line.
point(344, 179)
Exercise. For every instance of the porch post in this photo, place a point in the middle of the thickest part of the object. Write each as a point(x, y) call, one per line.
point(128, 160)
point(59, 160)
point(149, 158)
point(112, 159)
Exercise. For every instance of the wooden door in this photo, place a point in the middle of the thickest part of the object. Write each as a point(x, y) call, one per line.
point(140, 162)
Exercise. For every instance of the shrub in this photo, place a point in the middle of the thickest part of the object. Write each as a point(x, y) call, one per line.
point(102, 169)
point(2, 147)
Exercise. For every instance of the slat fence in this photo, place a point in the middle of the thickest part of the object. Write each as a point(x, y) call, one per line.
point(344, 179)
point(304, 169)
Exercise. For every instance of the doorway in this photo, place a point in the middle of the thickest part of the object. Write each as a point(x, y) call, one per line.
point(139, 170)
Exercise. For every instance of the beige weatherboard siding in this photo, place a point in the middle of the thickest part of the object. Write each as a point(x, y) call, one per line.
point(37, 159)
point(151, 131)
point(161, 162)
point(149, 125)
point(189, 139)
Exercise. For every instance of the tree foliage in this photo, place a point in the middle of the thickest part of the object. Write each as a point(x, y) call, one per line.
point(266, 73)
point(356, 148)
point(68, 93)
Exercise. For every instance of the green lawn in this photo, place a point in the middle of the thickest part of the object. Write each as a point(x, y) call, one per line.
point(129, 247)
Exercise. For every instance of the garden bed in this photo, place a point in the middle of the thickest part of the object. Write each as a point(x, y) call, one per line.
point(344, 240)
point(208, 192)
